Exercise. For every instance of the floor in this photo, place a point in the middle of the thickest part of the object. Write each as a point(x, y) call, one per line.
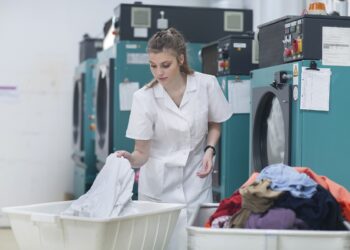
point(7, 240)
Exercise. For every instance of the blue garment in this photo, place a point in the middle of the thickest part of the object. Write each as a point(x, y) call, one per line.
point(286, 178)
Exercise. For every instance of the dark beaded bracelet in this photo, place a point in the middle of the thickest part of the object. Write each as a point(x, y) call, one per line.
point(213, 148)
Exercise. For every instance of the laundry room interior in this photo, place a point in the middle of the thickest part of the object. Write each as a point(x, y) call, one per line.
point(195, 124)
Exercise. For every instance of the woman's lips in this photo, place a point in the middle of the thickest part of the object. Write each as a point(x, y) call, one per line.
point(162, 78)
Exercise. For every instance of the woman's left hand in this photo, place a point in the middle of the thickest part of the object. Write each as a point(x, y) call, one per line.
point(207, 164)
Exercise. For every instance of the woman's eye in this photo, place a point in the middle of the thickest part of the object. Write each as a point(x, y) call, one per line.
point(166, 66)
point(153, 66)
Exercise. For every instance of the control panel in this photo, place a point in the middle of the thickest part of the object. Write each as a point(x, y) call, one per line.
point(293, 41)
point(224, 59)
point(237, 55)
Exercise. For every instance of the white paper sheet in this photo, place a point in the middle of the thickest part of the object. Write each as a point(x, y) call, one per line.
point(239, 96)
point(126, 92)
point(315, 88)
point(336, 46)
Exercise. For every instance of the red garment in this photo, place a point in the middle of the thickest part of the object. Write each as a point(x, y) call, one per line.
point(228, 206)
point(340, 194)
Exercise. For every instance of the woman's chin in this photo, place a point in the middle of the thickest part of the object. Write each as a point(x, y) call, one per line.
point(162, 82)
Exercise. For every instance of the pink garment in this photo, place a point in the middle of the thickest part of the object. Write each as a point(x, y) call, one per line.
point(250, 180)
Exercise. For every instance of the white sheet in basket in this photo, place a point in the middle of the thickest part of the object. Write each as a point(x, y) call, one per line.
point(110, 192)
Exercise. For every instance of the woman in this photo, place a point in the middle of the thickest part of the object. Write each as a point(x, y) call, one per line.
point(175, 121)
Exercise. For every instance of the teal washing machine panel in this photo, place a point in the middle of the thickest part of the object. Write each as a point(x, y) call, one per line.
point(83, 127)
point(232, 167)
point(193, 55)
point(319, 140)
point(132, 66)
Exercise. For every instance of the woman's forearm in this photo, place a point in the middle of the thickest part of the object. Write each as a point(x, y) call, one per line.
point(138, 159)
point(214, 130)
point(140, 154)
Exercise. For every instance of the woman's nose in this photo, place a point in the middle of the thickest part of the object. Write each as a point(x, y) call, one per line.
point(159, 72)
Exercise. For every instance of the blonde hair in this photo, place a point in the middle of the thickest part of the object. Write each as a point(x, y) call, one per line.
point(169, 39)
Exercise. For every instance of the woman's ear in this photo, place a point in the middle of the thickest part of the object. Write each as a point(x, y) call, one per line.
point(181, 59)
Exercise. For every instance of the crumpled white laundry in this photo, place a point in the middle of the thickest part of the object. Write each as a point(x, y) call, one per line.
point(110, 192)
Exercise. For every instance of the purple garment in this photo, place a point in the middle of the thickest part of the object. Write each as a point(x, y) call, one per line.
point(275, 218)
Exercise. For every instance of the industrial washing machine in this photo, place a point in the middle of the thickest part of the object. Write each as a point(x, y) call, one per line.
point(232, 58)
point(299, 109)
point(287, 128)
point(104, 96)
point(83, 116)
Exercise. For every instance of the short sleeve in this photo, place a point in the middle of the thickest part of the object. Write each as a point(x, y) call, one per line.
point(140, 125)
point(219, 108)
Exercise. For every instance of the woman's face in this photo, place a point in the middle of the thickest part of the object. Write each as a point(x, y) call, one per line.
point(165, 67)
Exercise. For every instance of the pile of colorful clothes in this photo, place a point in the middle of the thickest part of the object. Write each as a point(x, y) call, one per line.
point(284, 197)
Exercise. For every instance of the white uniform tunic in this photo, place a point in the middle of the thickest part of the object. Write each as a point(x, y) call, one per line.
point(178, 139)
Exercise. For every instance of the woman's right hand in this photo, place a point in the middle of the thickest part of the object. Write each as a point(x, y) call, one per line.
point(140, 154)
point(124, 154)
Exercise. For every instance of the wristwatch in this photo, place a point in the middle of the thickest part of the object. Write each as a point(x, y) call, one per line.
point(212, 147)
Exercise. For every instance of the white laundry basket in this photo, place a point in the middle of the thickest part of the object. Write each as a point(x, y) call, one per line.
point(41, 227)
point(200, 238)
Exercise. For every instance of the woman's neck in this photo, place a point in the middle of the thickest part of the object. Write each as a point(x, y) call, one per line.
point(178, 84)
point(176, 89)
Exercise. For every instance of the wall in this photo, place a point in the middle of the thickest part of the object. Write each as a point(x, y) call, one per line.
point(39, 50)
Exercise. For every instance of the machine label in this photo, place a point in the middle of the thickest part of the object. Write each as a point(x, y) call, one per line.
point(240, 45)
point(131, 46)
point(137, 58)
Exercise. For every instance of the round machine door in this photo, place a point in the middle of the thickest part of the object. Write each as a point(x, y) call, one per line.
point(271, 126)
point(78, 115)
point(104, 111)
